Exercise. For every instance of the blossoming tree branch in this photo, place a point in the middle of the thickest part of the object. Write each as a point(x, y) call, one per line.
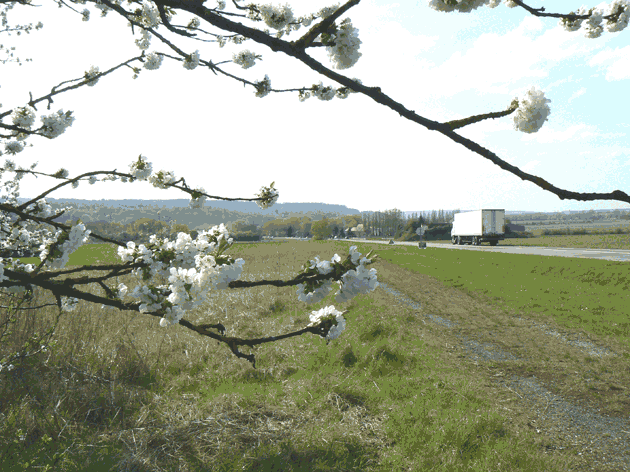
point(195, 268)
point(342, 44)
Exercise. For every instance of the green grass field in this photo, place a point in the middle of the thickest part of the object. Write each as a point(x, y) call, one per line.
point(118, 392)
point(580, 293)
point(106, 253)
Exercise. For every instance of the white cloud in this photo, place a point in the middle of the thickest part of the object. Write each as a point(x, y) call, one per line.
point(558, 83)
point(530, 166)
point(616, 63)
point(388, 46)
point(496, 63)
point(576, 132)
point(577, 93)
point(531, 23)
point(548, 135)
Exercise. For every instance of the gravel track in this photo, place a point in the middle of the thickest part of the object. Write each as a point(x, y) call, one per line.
point(605, 439)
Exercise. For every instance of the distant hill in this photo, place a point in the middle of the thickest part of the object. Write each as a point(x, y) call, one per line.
point(213, 213)
point(242, 207)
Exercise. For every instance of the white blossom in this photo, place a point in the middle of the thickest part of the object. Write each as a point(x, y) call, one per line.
point(86, 14)
point(90, 76)
point(324, 267)
point(276, 17)
point(41, 207)
point(78, 235)
point(339, 322)
point(104, 9)
point(622, 22)
point(355, 255)
point(162, 179)
point(13, 147)
point(192, 276)
point(24, 117)
point(323, 93)
point(353, 282)
point(327, 11)
point(263, 87)
point(573, 25)
point(344, 53)
point(56, 123)
point(269, 197)
point(191, 61)
point(198, 202)
point(466, 6)
point(122, 291)
point(317, 295)
point(532, 111)
point(153, 61)
point(593, 26)
point(440, 5)
point(150, 17)
point(356, 282)
point(141, 169)
point(145, 40)
point(194, 23)
point(245, 58)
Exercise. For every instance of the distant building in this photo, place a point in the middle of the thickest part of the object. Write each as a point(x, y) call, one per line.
point(358, 231)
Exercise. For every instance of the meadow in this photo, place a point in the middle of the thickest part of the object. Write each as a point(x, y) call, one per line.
point(115, 391)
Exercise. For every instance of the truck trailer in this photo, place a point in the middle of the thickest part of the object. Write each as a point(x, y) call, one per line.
point(476, 227)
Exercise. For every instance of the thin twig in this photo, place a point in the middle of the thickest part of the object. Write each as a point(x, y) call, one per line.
point(513, 391)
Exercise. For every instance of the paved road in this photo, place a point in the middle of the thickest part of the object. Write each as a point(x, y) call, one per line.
point(619, 255)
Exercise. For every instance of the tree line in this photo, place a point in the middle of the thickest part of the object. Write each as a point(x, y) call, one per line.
point(394, 223)
point(390, 223)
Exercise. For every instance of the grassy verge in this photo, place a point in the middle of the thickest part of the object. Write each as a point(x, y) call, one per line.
point(89, 254)
point(116, 391)
point(580, 293)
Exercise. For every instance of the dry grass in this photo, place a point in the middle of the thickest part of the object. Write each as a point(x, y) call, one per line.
point(117, 392)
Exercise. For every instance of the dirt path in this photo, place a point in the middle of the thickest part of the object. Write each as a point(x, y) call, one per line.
point(570, 387)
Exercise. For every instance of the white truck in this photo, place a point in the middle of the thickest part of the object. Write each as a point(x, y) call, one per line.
point(475, 227)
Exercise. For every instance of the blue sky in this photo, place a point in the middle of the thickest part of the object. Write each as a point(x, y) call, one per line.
point(355, 152)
